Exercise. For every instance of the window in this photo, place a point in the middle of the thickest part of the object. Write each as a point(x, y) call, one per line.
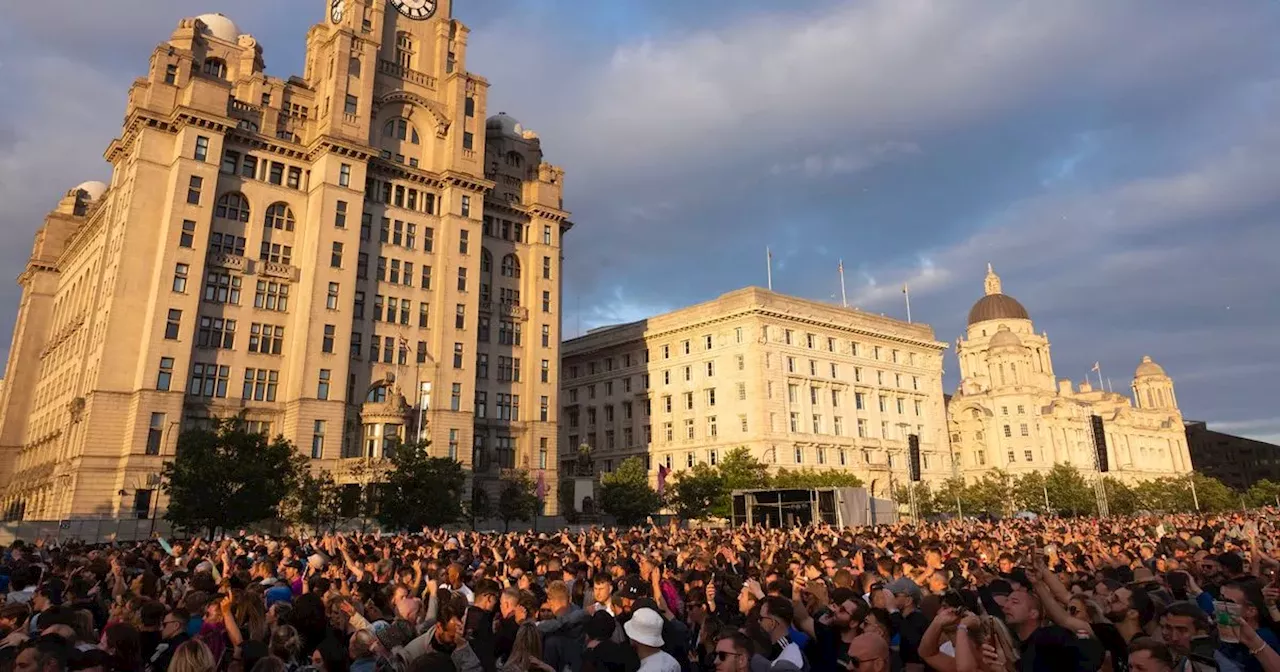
point(344, 175)
point(457, 355)
point(510, 266)
point(689, 434)
point(202, 148)
point(215, 67)
point(326, 344)
point(455, 397)
point(155, 433)
point(260, 385)
point(233, 206)
point(165, 376)
point(209, 380)
point(275, 173)
point(1024, 430)
point(426, 277)
point(546, 335)
point(172, 324)
point(711, 397)
point(187, 237)
point(1008, 432)
point(193, 189)
point(468, 141)
point(462, 279)
point(271, 295)
point(1026, 455)
point(352, 104)
point(463, 242)
point(220, 243)
point(837, 426)
point(180, 278)
point(546, 302)
point(340, 215)
point(466, 206)
point(428, 239)
point(322, 385)
point(216, 332)
point(546, 268)
point(331, 299)
point(711, 369)
point(335, 256)
point(546, 371)
point(278, 216)
point(543, 409)
point(317, 440)
point(222, 288)
point(275, 253)
point(795, 422)
point(170, 77)
point(266, 339)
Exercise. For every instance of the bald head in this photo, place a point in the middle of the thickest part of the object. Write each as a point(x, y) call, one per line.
point(872, 652)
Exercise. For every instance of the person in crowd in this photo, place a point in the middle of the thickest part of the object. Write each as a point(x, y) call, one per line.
point(644, 629)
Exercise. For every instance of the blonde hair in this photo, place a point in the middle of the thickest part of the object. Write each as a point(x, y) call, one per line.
point(558, 590)
point(192, 656)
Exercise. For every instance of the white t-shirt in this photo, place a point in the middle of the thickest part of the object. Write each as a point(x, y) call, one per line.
point(660, 662)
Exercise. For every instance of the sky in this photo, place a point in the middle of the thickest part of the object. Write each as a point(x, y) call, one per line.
point(1117, 162)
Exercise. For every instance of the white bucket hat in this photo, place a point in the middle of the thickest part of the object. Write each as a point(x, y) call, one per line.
point(645, 627)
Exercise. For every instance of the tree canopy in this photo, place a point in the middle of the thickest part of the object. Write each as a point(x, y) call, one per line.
point(420, 490)
point(625, 493)
point(517, 500)
point(227, 476)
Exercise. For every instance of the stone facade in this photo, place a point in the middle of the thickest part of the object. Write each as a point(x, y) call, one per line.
point(350, 258)
point(1011, 412)
point(799, 383)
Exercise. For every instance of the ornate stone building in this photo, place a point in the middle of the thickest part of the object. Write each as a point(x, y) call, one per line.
point(352, 258)
point(799, 383)
point(1011, 412)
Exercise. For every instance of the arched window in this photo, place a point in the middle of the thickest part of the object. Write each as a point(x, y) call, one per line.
point(234, 206)
point(353, 68)
point(246, 125)
point(486, 261)
point(215, 67)
point(510, 266)
point(514, 159)
point(400, 129)
point(279, 216)
point(377, 394)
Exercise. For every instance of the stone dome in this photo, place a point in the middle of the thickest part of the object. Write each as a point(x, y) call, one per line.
point(93, 189)
point(1148, 367)
point(1005, 338)
point(219, 26)
point(996, 305)
point(506, 124)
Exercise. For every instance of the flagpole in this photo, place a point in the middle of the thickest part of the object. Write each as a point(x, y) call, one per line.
point(768, 258)
point(1097, 368)
point(907, 293)
point(844, 298)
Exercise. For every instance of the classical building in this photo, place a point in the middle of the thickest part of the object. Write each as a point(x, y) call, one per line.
point(1011, 412)
point(406, 281)
point(798, 383)
point(1237, 461)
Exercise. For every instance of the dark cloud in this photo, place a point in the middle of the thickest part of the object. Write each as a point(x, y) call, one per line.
point(1115, 161)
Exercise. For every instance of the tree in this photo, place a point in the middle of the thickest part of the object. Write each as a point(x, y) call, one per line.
point(1029, 492)
point(420, 490)
point(1263, 493)
point(1069, 493)
point(228, 477)
point(951, 498)
point(480, 507)
point(625, 493)
point(315, 502)
point(517, 499)
point(1122, 499)
point(993, 494)
point(698, 493)
point(741, 471)
point(813, 478)
point(925, 504)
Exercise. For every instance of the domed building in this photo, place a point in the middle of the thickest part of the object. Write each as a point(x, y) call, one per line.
point(1011, 411)
point(315, 252)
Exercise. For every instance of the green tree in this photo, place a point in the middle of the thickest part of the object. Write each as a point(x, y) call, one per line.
point(227, 476)
point(1173, 494)
point(994, 494)
point(625, 493)
point(316, 502)
point(742, 471)
point(951, 492)
point(1029, 492)
point(926, 505)
point(1263, 493)
point(1069, 492)
point(698, 493)
point(420, 490)
point(1122, 499)
point(813, 478)
point(517, 500)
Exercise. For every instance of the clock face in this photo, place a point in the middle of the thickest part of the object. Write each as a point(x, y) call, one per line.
point(336, 9)
point(415, 9)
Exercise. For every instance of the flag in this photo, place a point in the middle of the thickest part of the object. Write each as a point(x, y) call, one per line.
point(1097, 366)
point(404, 344)
point(768, 252)
point(542, 485)
point(904, 288)
point(662, 478)
point(840, 267)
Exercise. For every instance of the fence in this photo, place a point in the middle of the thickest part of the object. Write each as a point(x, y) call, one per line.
point(89, 530)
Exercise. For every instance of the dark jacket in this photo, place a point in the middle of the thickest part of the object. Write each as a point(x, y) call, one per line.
point(563, 639)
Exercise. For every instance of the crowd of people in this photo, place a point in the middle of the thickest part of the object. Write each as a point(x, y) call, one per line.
point(1186, 593)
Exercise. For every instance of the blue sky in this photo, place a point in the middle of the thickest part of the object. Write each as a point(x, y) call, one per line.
point(1119, 163)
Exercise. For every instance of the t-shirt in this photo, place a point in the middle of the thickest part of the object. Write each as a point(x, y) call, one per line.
point(659, 662)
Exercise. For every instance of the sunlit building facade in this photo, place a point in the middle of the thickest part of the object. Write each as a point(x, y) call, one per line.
point(351, 258)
